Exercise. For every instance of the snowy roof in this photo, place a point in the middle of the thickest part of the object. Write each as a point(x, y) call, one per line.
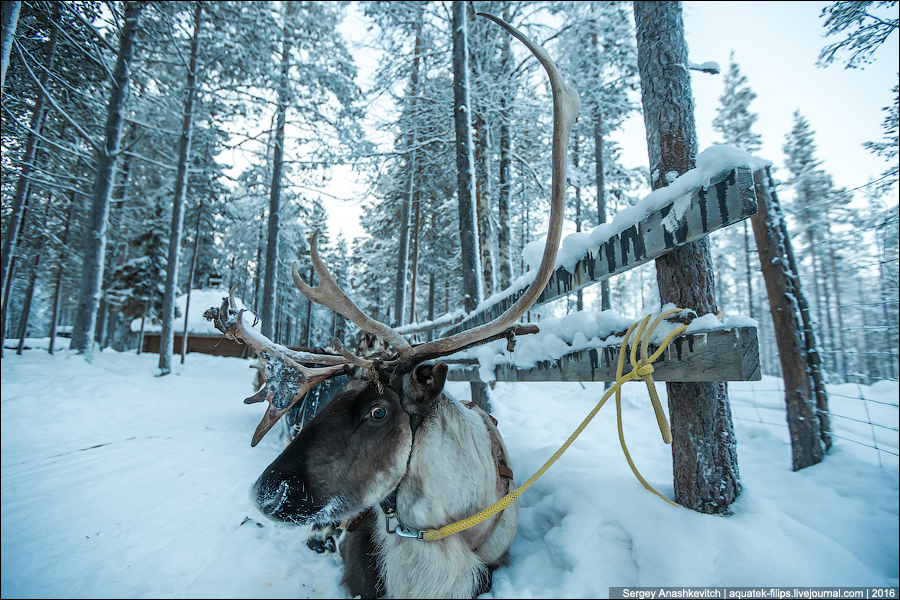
point(201, 301)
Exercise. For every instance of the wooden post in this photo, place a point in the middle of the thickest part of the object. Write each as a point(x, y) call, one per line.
point(782, 289)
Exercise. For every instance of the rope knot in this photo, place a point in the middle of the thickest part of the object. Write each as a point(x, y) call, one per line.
point(643, 370)
point(640, 369)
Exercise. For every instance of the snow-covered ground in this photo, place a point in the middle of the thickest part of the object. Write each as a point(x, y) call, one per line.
point(117, 483)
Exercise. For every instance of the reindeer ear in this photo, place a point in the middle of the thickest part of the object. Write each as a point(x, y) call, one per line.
point(429, 380)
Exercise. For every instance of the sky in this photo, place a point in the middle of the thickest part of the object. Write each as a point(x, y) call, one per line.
point(776, 45)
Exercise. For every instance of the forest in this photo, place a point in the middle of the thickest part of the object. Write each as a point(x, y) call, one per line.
point(150, 148)
point(157, 155)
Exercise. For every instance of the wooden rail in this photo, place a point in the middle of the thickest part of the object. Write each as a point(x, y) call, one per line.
point(729, 199)
point(717, 355)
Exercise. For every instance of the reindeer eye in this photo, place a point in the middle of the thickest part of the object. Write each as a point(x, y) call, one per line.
point(378, 413)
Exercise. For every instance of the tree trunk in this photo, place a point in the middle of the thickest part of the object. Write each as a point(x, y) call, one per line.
point(505, 183)
point(505, 175)
point(598, 167)
point(5, 310)
point(751, 310)
point(29, 295)
point(187, 303)
point(403, 249)
point(107, 317)
point(267, 311)
point(782, 287)
point(828, 340)
point(814, 261)
point(412, 168)
point(308, 337)
point(471, 268)
point(864, 359)
point(841, 359)
point(94, 255)
point(257, 272)
point(415, 257)
point(7, 288)
point(431, 291)
point(576, 162)
point(483, 202)
point(63, 257)
point(10, 17)
point(140, 347)
point(167, 336)
point(889, 316)
point(703, 448)
point(31, 144)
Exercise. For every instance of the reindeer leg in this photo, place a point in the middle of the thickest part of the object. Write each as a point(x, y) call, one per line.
point(358, 549)
point(322, 538)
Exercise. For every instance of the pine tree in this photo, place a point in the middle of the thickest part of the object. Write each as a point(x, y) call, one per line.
point(314, 78)
point(703, 445)
point(890, 147)
point(471, 263)
point(18, 205)
point(734, 119)
point(167, 334)
point(734, 122)
point(816, 199)
point(816, 204)
point(867, 30)
point(92, 272)
point(138, 284)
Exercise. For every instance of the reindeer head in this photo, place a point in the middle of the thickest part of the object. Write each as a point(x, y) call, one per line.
point(353, 453)
point(366, 432)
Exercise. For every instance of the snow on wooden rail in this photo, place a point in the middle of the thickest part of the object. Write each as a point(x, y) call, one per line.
point(729, 198)
point(719, 355)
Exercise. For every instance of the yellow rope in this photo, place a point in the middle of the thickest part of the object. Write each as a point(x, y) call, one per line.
point(640, 369)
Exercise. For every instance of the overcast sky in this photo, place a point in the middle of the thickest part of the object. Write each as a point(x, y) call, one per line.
point(776, 45)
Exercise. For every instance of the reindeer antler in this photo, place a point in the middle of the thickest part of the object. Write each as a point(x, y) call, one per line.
point(330, 295)
point(566, 105)
point(284, 387)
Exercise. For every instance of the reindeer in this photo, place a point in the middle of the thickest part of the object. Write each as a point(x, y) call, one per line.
point(393, 455)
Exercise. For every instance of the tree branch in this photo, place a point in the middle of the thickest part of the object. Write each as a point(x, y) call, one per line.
point(81, 132)
point(45, 139)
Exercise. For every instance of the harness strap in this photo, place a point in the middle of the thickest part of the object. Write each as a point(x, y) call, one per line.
point(353, 524)
point(503, 468)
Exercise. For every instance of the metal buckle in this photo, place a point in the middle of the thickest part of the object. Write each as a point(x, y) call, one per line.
point(400, 530)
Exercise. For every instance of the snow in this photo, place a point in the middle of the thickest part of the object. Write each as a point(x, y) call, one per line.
point(118, 483)
point(712, 165)
point(710, 66)
point(583, 330)
point(201, 301)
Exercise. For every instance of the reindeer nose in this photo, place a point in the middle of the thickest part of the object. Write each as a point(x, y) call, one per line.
point(271, 500)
